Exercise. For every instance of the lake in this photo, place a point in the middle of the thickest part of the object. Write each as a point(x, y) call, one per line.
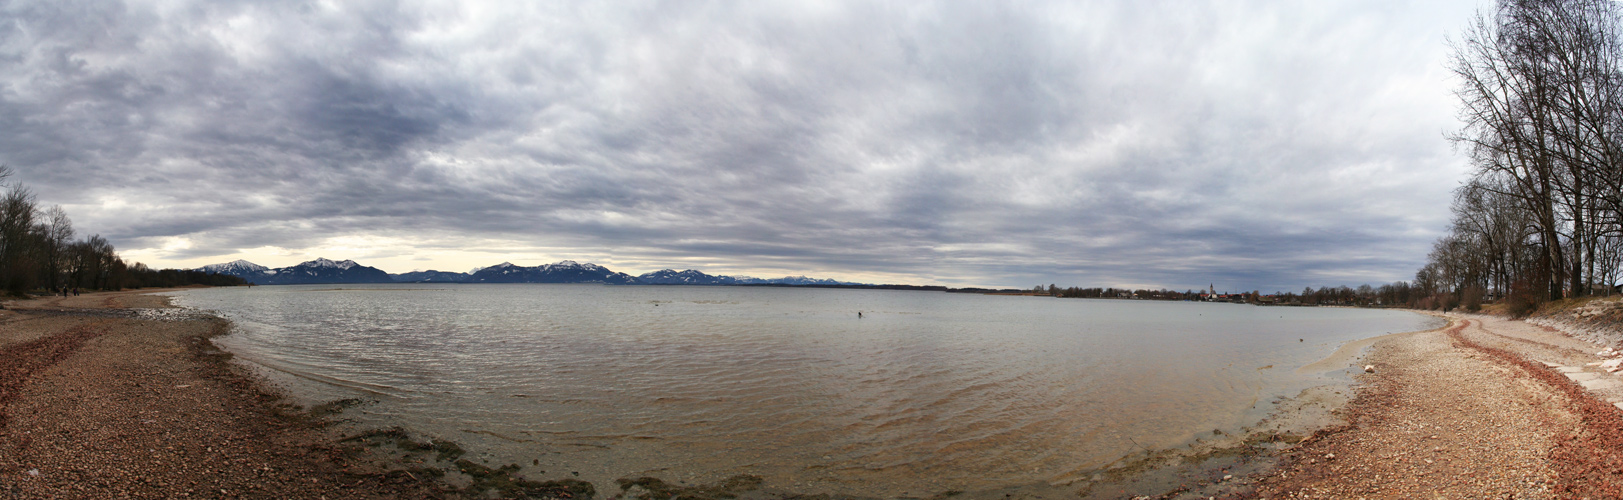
point(927, 391)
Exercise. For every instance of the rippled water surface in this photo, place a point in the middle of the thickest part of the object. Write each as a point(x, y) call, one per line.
point(928, 391)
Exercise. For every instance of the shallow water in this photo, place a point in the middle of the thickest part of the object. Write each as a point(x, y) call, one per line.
point(927, 392)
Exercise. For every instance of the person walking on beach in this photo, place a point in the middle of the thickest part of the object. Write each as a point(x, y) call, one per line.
point(859, 314)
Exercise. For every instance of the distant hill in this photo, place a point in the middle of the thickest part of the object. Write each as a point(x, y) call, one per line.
point(692, 277)
point(322, 271)
point(430, 277)
point(802, 280)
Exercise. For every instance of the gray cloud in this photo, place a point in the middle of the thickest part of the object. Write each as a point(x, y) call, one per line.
point(1148, 144)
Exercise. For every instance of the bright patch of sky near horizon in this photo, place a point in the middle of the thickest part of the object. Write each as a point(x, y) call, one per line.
point(1256, 145)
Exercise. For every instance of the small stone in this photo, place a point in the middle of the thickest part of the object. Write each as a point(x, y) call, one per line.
point(33, 472)
point(1369, 368)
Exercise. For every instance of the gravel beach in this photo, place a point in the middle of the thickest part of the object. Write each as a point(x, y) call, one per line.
point(102, 397)
point(1482, 409)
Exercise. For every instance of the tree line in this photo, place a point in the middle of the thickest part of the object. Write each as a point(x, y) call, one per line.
point(39, 252)
point(1541, 97)
point(1399, 294)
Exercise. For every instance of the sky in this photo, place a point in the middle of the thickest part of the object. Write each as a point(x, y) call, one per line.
point(1179, 144)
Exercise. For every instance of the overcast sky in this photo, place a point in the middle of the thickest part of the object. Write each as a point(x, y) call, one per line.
point(1266, 145)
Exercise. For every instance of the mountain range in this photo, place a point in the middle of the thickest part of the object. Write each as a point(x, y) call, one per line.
point(311, 272)
point(347, 271)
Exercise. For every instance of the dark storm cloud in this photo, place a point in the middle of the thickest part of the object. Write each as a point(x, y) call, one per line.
point(1258, 145)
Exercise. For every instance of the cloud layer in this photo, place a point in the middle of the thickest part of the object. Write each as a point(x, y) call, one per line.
point(1255, 145)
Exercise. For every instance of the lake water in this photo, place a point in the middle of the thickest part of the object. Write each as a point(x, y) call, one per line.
point(926, 392)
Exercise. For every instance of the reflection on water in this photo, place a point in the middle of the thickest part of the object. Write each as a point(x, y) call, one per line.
point(926, 392)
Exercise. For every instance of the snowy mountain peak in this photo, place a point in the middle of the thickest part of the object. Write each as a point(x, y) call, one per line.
point(316, 271)
point(567, 271)
point(503, 265)
point(235, 268)
point(322, 262)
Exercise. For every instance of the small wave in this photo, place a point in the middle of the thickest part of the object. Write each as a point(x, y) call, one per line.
point(499, 436)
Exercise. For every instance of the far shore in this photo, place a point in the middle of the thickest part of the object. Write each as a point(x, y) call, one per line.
point(98, 399)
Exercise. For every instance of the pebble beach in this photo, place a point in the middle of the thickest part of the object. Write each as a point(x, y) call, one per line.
point(100, 401)
point(1484, 408)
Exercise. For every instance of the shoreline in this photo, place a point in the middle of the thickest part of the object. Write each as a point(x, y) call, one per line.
point(1189, 455)
point(1231, 465)
point(111, 395)
point(1482, 407)
point(1471, 410)
point(86, 379)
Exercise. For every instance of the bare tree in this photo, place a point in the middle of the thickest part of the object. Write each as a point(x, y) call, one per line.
point(1541, 95)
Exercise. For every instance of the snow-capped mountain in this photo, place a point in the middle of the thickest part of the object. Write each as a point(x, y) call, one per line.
point(802, 280)
point(310, 272)
point(327, 271)
point(248, 271)
point(239, 268)
point(567, 271)
point(688, 277)
point(320, 262)
point(692, 277)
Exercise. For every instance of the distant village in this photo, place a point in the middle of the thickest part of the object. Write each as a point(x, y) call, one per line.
point(1363, 296)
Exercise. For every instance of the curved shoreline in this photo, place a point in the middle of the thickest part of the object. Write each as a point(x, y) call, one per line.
point(1230, 465)
point(1246, 400)
point(153, 388)
point(1472, 410)
point(1343, 356)
point(104, 400)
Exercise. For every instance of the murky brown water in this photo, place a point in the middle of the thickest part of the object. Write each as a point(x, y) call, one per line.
point(927, 392)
